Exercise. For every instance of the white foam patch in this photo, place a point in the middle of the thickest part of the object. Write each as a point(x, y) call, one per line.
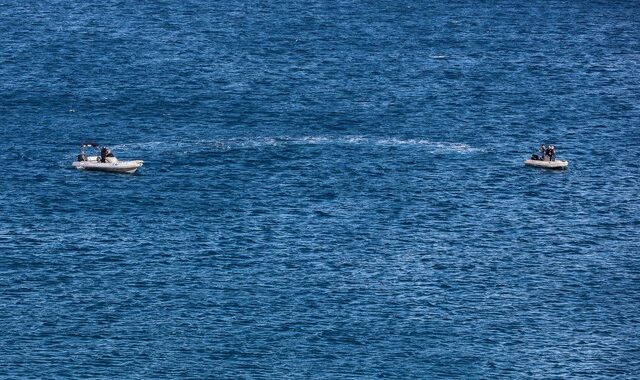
point(437, 145)
point(151, 145)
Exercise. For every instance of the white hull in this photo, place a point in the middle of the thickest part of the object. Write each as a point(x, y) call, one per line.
point(557, 164)
point(112, 167)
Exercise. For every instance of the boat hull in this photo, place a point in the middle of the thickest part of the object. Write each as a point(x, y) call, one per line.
point(128, 167)
point(557, 164)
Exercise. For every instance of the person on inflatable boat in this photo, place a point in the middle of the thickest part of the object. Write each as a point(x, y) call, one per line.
point(547, 153)
point(105, 153)
point(551, 153)
point(543, 150)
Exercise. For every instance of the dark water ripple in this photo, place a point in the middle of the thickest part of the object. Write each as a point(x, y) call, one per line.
point(330, 190)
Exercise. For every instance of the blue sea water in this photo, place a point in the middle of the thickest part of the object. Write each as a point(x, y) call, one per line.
point(331, 189)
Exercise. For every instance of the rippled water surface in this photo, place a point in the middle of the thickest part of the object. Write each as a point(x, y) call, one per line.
point(330, 190)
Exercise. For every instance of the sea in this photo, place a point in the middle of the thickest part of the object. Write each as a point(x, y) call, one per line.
point(331, 190)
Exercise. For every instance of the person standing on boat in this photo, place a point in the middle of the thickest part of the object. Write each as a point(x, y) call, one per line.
point(552, 153)
point(543, 150)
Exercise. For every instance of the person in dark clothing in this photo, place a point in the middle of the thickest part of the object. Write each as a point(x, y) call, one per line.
point(104, 153)
point(551, 153)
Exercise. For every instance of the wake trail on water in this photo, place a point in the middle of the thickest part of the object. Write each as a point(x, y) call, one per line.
point(266, 142)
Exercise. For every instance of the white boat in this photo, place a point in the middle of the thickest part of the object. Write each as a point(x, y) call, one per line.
point(105, 162)
point(93, 163)
point(556, 164)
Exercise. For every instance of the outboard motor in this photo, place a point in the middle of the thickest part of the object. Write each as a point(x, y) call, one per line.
point(82, 157)
point(535, 157)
